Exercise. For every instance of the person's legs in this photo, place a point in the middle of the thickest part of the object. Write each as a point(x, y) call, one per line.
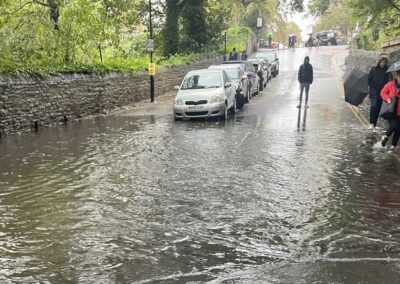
point(392, 127)
point(302, 86)
point(378, 110)
point(307, 87)
point(396, 136)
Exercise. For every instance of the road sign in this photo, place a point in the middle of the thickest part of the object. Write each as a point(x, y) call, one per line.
point(152, 69)
point(150, 45)
point(259, 23)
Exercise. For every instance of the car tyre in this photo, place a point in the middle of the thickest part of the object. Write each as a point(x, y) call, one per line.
point(247, 97)
point(224, 116)
point(258, 88)
point(234, 107)
point(240, 101)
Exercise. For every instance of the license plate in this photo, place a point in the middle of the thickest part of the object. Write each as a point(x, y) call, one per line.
point(196, 108)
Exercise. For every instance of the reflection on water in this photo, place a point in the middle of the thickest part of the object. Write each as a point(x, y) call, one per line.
point(121, 200)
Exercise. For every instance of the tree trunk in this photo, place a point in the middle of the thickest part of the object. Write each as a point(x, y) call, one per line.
point(54, 13)
point(171, 29)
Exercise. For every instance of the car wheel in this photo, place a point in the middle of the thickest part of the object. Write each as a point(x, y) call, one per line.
point(257, 92)
point(234, 107)
point(240, 101)
point(250, 94)
point(224, 116)
point(247, 97)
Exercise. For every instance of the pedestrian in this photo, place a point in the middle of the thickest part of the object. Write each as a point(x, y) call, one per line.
point(306, 78)
point(233, 56)
point(389, 92)
point(310, 41)
point(377, 79)
point(244, 55)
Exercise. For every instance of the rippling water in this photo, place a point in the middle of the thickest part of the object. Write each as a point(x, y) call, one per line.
point(264, 196)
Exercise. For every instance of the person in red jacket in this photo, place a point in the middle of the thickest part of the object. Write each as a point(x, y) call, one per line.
point(391, 90)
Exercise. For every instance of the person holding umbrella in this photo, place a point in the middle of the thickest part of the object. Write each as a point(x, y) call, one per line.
point(377, 79)
point(390, 92)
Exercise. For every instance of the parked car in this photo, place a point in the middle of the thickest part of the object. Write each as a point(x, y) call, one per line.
point(267, 67)
point(248, 69)
point(272, 57)
point(239, 80)
point(326, 38)
point(262, 71)
point(205, 93)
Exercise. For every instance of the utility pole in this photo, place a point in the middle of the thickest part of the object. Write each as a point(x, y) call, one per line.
point(225, 39)
point(150, 46)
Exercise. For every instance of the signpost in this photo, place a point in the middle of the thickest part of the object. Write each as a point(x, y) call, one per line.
point(259, 23)
point(150, 48)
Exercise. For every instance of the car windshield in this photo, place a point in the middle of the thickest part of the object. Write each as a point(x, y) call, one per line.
point(233, 73)
point(202, 81)
point(269, 55)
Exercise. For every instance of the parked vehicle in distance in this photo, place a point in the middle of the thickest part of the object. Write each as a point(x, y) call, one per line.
point(272, 57)
point(326, 38)
point(205, 93)
point(251, 74)
point(239, 80)
point(262, 71)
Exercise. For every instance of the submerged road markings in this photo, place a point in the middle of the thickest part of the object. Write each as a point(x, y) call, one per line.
point(355, 110)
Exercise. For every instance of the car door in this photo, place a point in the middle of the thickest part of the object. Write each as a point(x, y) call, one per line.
point(253, 78)
point(245, 83)
point(230, 91)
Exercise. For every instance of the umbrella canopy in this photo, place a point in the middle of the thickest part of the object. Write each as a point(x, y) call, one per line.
point(356, 87)
point(395, 66)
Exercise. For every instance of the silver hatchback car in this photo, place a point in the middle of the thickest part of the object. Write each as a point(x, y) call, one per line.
point(205, 93)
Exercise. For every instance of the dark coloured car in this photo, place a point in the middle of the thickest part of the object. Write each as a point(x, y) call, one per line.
point(251, 74)
point(272, 57)
point(326, 38)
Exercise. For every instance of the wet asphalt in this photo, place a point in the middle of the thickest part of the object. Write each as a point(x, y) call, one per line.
point(275, 194)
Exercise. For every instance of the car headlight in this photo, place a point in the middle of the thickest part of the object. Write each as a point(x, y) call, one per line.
point(179, 101)
point(217, 99)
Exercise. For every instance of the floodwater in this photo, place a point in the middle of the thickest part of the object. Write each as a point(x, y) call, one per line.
point(273, 195)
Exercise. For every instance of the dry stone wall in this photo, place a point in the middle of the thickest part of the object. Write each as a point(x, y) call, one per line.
point(29, 103)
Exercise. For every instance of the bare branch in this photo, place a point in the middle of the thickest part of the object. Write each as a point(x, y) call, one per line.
point(41, 3)
point(393, 4)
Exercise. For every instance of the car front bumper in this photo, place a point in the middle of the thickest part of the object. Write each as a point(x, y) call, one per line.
point(199, 111)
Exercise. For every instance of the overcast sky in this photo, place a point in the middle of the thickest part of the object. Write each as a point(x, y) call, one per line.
point(303, 21)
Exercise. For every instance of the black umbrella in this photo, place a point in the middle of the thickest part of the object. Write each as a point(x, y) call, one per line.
point(356, 87)
point(395, 66)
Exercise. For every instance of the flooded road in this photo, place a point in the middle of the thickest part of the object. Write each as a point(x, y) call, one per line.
point(273, 195)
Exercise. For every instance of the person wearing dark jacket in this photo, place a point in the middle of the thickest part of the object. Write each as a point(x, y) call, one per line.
point(377, 79)
point(306, 78)
point(233, 56)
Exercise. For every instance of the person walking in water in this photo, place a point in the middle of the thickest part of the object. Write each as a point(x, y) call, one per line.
point(306, 78)
point(377, 79)
point(389, 92)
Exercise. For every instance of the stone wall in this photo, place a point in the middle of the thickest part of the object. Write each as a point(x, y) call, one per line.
point(28, 103)
point(364, 60)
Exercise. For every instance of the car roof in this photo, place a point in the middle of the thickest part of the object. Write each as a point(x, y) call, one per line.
point(267, 50)
point(225, 66)
point(204, 71)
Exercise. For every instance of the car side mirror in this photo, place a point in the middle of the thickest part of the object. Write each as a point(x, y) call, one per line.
point(176, 88)
point(228, 85)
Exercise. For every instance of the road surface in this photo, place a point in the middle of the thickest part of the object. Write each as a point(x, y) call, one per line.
point(273, 195)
